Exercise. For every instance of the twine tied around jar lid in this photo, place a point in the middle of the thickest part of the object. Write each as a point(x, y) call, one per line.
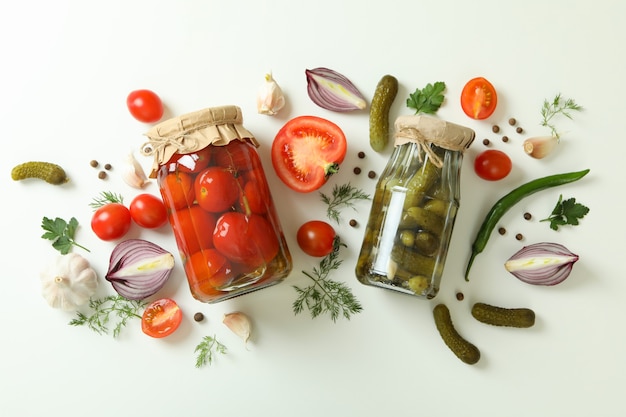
point(426, 131)
point(194, 131)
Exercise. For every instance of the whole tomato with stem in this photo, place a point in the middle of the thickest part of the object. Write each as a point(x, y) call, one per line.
point(111, 220)
point(316, 238)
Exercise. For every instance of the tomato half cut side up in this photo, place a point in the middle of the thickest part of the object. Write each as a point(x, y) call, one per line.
point(306, 151)
point(479, 98)
point(161, 318)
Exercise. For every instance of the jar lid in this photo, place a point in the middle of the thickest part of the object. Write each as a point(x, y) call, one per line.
point(431, 130)
point(194, 131)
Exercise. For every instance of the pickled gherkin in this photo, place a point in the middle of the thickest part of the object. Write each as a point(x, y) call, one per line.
point(414, 207)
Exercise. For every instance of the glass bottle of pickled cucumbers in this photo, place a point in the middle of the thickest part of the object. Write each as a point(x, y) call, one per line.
point(414, 207)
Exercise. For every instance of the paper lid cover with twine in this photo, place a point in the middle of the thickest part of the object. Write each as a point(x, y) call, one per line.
point(427, 130)
point(194, 131)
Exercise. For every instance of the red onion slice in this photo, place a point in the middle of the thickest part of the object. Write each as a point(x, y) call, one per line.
point(333, 91)
point(542, 263)
point(138, 268)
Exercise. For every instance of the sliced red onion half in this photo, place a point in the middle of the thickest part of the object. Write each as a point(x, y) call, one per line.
point(542, 263)
point(333, 91)
point(138, 268)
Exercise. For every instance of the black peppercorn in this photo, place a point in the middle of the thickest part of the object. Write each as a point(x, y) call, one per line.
point(93, 163)
point(356, 170)
point(528, 216)
point(519, 236)
point(102, 175)
point(502, 230)
point(361, 154)
point(495, 128)
point(371, 174)
point(107, 166)
point(353, 222)
point(505, 139)
point(519, 130)
point(512, 121)
point(486, 142)
point(198, 316)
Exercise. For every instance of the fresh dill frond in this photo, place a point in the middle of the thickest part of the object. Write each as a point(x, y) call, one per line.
point(106, 197)
point(326, 296)
point(343, 195)
point(107, 308)
point(557, 106)
point(206, 349)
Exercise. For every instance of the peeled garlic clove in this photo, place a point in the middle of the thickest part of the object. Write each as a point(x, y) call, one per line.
point(542, 263)
point(133, 174)
point(270, 98)
point(239, 324)
point(541, 146)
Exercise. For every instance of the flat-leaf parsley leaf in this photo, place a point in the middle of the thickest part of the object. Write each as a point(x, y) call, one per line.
point(427, 100)
point(566, 212)
point(61, 233)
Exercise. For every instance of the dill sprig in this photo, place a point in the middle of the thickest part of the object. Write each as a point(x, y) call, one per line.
point(205, 350)
point(106, 197)
point(558, 105)
point(326, 295)
point(104, 309)
point(342, 196)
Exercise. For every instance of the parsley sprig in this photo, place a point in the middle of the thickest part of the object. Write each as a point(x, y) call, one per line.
point(557, 106)
point(343, 195)
point(107, 308)
point(61, 233)
point(326, 295)
point(206, 349)
point(427, 100)
point(566, 212)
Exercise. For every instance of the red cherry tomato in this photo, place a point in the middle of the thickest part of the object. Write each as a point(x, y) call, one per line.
point(249, 240)
point(216, 189)
point(492, 165)
point(148, 211)
point(190, 162)
point(145, 106)
point(479, 98)
point(176, 188)
point(193, 229)
point(316, 238)
point(111, 221)
point(235, 155)
point(255, 197)
point(161, 318)
point(307, 151)
point(209, 269)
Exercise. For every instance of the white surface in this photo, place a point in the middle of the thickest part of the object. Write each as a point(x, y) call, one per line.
point(67, 67)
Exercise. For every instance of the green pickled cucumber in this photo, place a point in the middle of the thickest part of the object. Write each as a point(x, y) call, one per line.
point(500, 316)
point(417, 217)
point(412, 261)
point(463, 349)
point(47, 171)
point(438, 207)
point(384, 95)
point(420, 183)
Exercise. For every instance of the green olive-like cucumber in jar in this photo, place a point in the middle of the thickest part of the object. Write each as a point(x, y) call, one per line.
point(407, 236)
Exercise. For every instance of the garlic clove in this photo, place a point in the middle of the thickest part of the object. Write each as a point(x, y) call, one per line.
point(541, 146)
point(239, 324)
point(270, 98)
point(133, 174)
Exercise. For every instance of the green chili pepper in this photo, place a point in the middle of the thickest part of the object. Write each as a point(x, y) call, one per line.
point(509, 200)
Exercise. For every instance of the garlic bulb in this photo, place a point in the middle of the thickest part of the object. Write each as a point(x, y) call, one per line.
point(239, 323)
point(133, 174)
point(270, 98)
point(68, 282)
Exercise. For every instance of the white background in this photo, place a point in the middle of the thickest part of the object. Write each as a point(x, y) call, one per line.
point(67, 67)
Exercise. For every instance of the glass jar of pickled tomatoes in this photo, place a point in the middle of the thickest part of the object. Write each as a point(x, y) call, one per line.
point(220, 207)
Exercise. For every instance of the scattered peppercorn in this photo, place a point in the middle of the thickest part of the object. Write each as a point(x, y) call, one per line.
point(512, 121)
point(519, 236)
point(93, 163)
point(460, 296)
point(371, 174)
point(502, 230)
point(107, 166)
point(102, 175)
point(356, 170)
point(353, 223)
point(519, 130)
point(198, 317)
point(361, 154)
point(528, 216)
point(495, 128)
point(486, 142)
point(505, 139)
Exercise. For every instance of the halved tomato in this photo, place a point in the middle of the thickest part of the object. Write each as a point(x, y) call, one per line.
point(306, 151)
point(161, 318)
point(479, 98)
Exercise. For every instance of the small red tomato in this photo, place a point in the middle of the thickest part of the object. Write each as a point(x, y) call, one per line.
point(176, 188)
point(479, 98)
point(492, 165)
point(148, 211)
point(111, 221)
point(209, 269)
point(216, 189)
point(161, 318)
point(193, 229)
point(316, 238)
point(145, 106)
